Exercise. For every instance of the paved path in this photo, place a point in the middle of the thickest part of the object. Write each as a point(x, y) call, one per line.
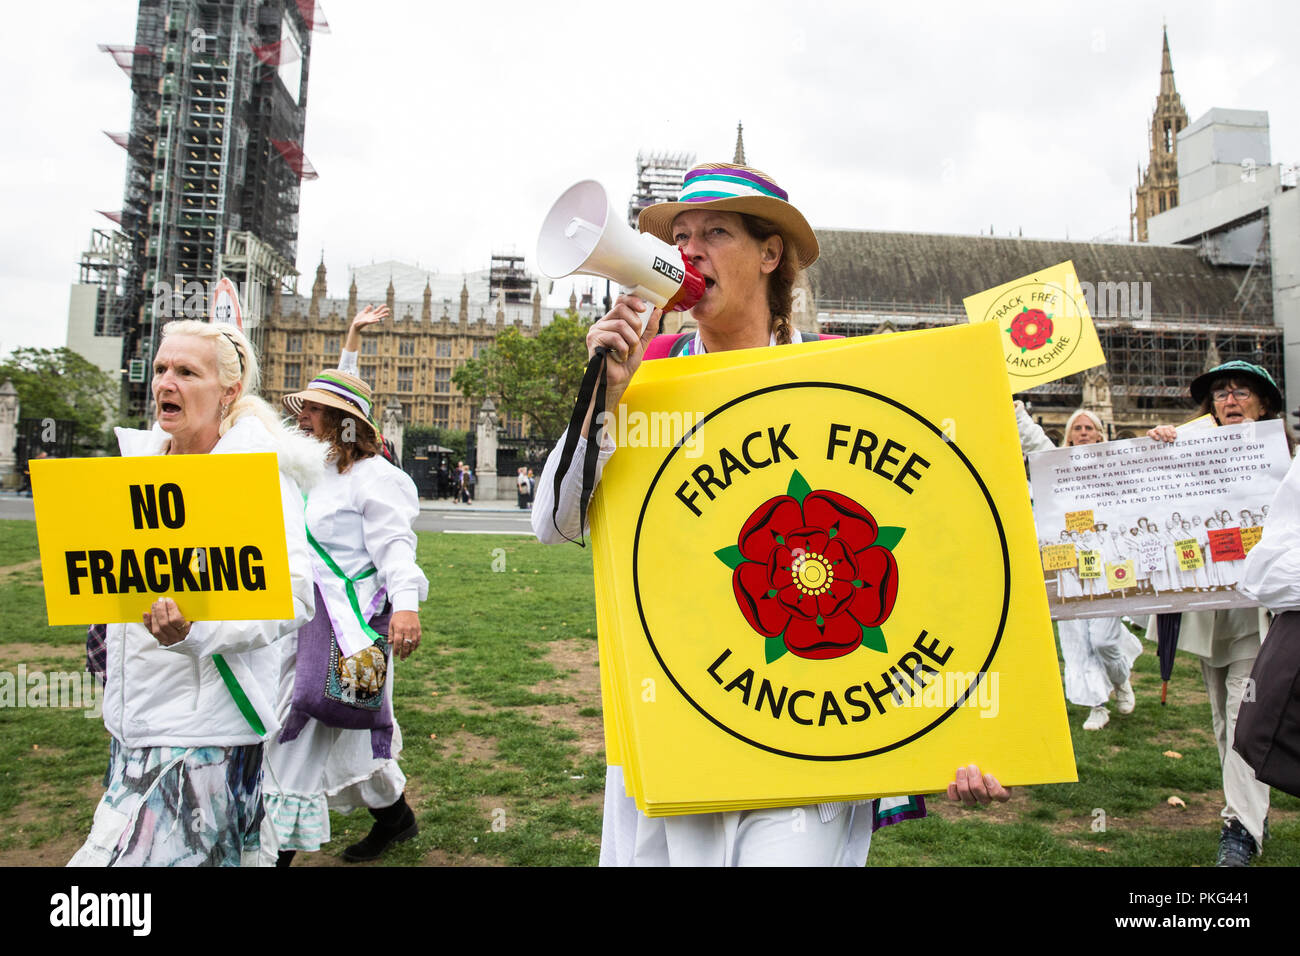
point(481, 517)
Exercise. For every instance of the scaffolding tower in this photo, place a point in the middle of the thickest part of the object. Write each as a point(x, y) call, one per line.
point(508, 280)
point(658, 179)
point(213, 125)
point(106, 265)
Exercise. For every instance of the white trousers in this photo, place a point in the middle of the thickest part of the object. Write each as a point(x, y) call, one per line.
point(1245, 798)
point(782, 836)
point(1098, 653)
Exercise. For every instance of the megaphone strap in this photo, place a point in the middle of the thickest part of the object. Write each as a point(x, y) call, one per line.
point(593, 384)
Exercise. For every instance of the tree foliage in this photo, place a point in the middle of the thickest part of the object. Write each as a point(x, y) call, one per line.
point(534, 378)
point(60, 384)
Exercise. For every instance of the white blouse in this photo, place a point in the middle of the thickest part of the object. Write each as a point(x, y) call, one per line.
point(1272, 571)
point(364, 517)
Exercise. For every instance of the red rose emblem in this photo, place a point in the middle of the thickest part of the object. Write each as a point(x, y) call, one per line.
point(814, 574)
point(1031, 329)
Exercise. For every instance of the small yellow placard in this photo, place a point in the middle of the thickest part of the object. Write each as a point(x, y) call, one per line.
point(1090, 564)
point(1059, 557)
point(204, 530)
point(1047, 330)
point(1189, 554)
point(1119, 576)
point(1078, 520)
point(1250, 537)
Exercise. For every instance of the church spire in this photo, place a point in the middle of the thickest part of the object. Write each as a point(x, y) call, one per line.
point(739, 158)
point(1157, 190)
point(1166, 70)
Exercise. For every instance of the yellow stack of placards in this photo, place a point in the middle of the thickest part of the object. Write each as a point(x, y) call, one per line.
point(817, 578)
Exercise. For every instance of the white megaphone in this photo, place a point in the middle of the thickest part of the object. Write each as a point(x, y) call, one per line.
point(581, 234)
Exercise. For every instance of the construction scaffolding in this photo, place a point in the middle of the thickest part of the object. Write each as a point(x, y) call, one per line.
point(658, 179)
point(508, 280)
point(106, 265)
point(203, 161)
point(1148, 365)
point(261, 275)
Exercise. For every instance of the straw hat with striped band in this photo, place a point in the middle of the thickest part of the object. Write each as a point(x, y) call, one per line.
point(733, 188)
point(336, 389)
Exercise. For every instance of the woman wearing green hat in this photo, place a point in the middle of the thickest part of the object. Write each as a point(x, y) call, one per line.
point(1228, 641)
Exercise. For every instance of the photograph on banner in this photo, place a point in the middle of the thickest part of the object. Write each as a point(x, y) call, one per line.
point(160, 528)
point(1168, 527)
point(781, 623)
point(1046, 327)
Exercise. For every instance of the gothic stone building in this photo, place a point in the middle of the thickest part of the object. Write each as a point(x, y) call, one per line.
point(437, 323)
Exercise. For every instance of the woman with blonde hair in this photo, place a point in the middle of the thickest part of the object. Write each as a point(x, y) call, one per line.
point(1099, 651)
point(188, 703)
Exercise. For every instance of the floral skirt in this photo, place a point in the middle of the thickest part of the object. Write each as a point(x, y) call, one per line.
point(177, 806)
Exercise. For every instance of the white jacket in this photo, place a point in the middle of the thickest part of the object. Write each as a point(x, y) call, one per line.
point(174, 696)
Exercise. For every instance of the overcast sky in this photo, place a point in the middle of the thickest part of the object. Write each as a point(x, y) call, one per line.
point(443, 131)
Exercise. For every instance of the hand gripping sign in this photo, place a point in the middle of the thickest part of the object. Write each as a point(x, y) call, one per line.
point(162, 526)
point(830, 587)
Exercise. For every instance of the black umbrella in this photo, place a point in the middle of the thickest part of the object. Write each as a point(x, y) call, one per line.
point(1167, 627)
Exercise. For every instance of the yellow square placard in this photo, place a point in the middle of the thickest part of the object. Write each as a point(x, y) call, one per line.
point(117, 534)
point(1090, 564)
point(1189, 554)
point(1047, 330)
point(828, 586)
point(1119, 575)
point(1059, 557)
point(1079, 520)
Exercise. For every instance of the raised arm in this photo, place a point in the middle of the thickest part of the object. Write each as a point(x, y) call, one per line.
point(352, 344)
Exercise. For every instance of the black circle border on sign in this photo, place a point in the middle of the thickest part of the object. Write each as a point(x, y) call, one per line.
point(997, 520)
point(1077, 339)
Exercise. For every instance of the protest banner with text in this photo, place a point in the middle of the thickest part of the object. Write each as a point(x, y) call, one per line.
point(1180, 516)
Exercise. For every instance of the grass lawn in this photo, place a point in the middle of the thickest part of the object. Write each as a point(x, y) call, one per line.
point(500, 712)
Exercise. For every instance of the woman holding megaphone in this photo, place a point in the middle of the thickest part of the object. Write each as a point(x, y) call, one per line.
point(737, 229)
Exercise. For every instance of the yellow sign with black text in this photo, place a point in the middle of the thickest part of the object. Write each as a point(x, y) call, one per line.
point(1046, 326)
point(1250, 537)
point(1059, 557)
point(1189, 554)
point(117, 534)
point(824, 584)
point(1079, 520)
point(1090, 564)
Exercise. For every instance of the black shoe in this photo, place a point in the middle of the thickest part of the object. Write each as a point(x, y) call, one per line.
point(1236, 845)
point(380, 836)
